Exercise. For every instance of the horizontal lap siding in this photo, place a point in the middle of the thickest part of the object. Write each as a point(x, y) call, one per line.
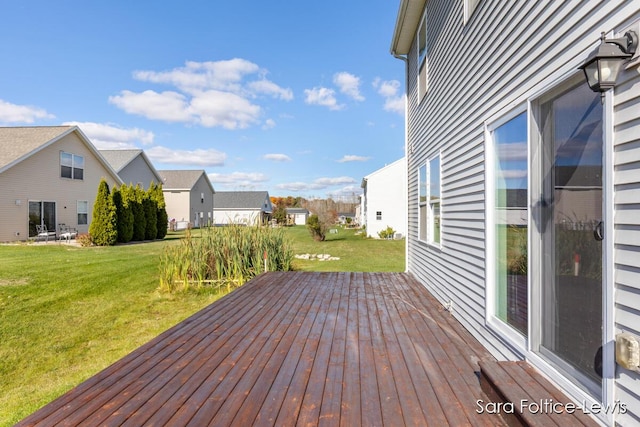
point(481, 71)
point(627, 229)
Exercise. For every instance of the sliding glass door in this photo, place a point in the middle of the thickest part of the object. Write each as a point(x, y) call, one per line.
point(571, 227)
point(41, 213)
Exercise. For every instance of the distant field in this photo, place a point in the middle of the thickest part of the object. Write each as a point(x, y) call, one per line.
point(68, 312)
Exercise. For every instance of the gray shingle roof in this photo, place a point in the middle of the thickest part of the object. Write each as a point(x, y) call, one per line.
point(118, 159)
point(181, 179)
point(18, 143)
point(240, 199)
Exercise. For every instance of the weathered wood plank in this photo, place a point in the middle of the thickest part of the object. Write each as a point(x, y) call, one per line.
point(293, 348)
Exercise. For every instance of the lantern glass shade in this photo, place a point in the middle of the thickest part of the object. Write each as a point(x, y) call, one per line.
point(602, 73)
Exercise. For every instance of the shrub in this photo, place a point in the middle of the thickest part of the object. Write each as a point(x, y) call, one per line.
point(124, 216)
point(155, 193)
point(387, 233)
point(103, 228)
point(84, 239)
point(139, 218)
point(151, 215)
point(317, 228)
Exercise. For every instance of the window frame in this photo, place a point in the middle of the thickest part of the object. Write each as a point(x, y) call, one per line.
point(79, 212)
point(422, 203)
point(378, 215)
point(75, 165)
point(470, 6)
point(430, 202)
point(493, 320)
point(422, 58)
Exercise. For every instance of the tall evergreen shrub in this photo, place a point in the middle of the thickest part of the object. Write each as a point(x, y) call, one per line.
point(155, 192)
point(103, 228)
point(139, 216)
point(123, 214)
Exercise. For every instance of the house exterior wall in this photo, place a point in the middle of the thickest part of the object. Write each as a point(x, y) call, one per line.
point(138, 171)
point(386, 193)
point(37, 178)
point(177, 204)
point(236, 216)
point(201, 209)
point(504, 57)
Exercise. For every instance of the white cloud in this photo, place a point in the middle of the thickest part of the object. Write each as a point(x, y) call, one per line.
point(269, 124)
point(353, 158)
point(513, 173)
point(513, 151)
point(199, 157)
point(277, 157)
point(318, 184)
point(340, 180)
point(110, 137)
point(228, 110)
point(348, 84)
point(167, 106)
point(210, 94)
point(348, 191)
point(389, 90)
point(322, 96)
point(270, 88)
point(13, 113)
point(238, 179)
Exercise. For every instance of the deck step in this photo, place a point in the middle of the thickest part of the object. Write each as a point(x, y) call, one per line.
point(524, 397)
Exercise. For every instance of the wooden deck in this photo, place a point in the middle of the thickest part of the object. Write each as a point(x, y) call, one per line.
point(294, 349)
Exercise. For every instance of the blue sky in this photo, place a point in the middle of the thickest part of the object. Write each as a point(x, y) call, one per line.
point(297, 98)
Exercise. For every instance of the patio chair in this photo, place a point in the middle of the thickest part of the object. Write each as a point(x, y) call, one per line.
point(67, 233)
point(43, 233)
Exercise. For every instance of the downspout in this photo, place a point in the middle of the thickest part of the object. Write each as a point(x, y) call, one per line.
point(406, 151)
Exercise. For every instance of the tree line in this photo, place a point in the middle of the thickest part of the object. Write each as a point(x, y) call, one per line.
point(128, 213)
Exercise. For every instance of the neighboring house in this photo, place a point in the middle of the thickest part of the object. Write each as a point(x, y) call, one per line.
point(188, 195)
point(242, 207)
point(345, 218)
point(297, 216)
point(133, 167)
point(497, 107)
point(384, 200)
point(49, 176)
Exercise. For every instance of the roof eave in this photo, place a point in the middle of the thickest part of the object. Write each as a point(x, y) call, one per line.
point(407, 21)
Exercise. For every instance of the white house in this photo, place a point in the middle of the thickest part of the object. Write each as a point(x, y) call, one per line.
point(242, 207)
point(384, 200)
point(497, 105)
point(133, 167)
point(49, 176)
point(188, 195)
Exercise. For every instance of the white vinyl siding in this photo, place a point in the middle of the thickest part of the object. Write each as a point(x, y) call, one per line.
point(477, 79)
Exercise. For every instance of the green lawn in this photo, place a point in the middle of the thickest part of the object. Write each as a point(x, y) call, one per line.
point(68, 312)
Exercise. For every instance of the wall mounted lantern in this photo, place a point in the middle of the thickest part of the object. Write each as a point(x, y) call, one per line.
point(602, 67)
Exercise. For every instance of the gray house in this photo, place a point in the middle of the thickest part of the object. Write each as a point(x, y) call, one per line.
point(499, 110)
point(133, 167)
point(241, 207)
point(188, 195)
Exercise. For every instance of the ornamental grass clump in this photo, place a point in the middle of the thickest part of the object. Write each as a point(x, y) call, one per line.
point(223, 257)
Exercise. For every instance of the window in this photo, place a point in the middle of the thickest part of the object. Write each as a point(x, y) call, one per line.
point(379, 215)
point(71, 166)
point(422, 58)
point(83, 212)
point(422, 203)
point(511, 221)
point(433, 205)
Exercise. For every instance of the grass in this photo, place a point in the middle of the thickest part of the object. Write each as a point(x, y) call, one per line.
point(68, 312)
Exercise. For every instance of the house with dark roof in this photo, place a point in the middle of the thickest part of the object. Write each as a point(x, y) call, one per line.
point(49, 177)
point(133, 167)
point(241, 207)
point(188, 195)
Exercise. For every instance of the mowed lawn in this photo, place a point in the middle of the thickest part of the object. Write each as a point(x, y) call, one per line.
point(68, 312)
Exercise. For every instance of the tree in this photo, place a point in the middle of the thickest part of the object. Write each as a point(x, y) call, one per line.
point(280, 215)
point(124, 216)
point(317, 228)
point(155, 192)
point(103, 228)
point(139, 217)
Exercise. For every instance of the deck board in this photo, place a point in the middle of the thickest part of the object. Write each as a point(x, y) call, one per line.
point(294, 348)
